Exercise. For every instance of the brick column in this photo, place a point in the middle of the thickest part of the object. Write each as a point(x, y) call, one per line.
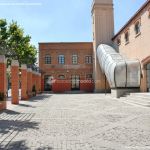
point(39, 83)
point(34, 79)
point(15, 82)
point(24, 95)
point(29, 82)
point(3, 82)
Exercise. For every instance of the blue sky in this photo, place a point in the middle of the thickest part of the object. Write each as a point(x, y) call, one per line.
point(62, 20)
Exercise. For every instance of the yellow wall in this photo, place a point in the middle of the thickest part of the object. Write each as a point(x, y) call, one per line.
point(139, 45)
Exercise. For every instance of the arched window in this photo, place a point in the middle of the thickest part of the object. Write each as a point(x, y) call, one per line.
point(126, 36)
point(47, 59)
point(149, 13)
point(61, 77)
point(61, 59)
point(118, 41)
point(137, 27)
point(74, 59)
point(88, 59)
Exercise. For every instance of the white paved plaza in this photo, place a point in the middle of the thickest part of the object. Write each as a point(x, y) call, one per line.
point(75, 122)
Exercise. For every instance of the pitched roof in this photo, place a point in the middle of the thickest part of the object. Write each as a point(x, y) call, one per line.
point(132, 18)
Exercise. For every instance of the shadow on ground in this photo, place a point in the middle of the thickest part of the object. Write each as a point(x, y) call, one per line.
point(26, 105)
point(9, 112)
point(11, 121)
point(22, 145)
point(7, 126)
point(40, 98)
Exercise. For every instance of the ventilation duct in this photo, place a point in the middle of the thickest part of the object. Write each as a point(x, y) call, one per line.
point(120, 72)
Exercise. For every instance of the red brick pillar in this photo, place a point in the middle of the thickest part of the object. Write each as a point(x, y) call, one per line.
point(33, 78)
point(3, 79)
point(24, 95)
point(39, 83)
point(3, 74)
point(15, 82)
point(42, 83)
point(29, 82)
point(36, 81)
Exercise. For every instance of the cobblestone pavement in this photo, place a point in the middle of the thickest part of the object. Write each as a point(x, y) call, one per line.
point(75, 122)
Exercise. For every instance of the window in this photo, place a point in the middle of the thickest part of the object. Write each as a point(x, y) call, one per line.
point(74, 59)
point(149, 13)
point(88, 59)
point(137, 28)
point(119, 41)
point(89, 76)
point(47, 59)
point(61, 77)
point(126, 37)
point(61, 59)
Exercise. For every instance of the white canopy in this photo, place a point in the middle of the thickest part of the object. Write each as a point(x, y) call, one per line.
point(120, 72)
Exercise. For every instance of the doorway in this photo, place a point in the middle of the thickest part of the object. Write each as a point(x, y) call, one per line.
point(47, 83)
point(75, 82)
point(148, 77)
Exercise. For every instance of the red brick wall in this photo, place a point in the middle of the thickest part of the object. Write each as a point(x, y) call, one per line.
point(87, 85)
point(67, 49)
point(60, 86)
point(42, 83)
point(29, 82)
point(34, 80)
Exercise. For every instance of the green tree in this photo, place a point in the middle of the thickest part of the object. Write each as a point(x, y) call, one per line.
point(15, 45)
point(3, 37)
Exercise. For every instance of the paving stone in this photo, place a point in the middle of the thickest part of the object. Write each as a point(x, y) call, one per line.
point(74, 122)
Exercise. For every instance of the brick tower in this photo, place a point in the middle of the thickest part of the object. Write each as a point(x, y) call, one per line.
point(103, 31)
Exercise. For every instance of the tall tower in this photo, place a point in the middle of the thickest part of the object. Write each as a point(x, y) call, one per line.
point(103, 31)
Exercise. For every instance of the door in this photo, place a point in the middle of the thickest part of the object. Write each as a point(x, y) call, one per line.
point(47, 83)
point(75, 82)
point(148, 77)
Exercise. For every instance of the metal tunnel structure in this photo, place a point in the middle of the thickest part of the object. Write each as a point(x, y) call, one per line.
point(120, 72)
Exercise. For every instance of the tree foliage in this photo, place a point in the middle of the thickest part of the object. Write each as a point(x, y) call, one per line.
point(15, 45)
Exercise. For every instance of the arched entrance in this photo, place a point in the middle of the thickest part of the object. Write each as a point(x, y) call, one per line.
point(146, 75)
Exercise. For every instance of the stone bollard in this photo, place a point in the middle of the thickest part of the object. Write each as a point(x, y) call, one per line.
point(15, 82)
point(24, 95)
point(29, 82)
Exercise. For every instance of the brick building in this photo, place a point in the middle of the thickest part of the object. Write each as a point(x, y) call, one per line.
point(66, 66)
point(73, 66)
point(133, 42)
